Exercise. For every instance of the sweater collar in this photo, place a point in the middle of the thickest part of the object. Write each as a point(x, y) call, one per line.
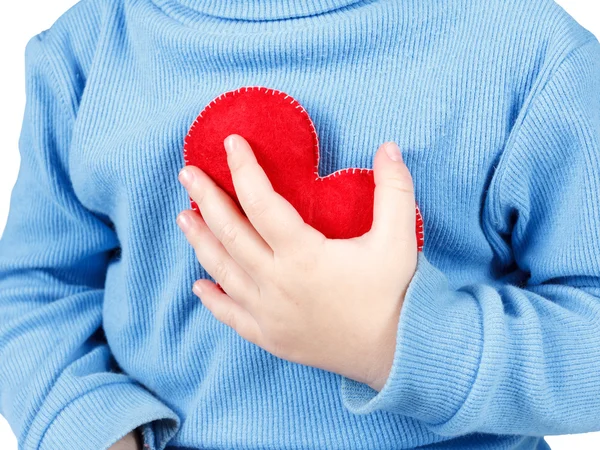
point(264, 9)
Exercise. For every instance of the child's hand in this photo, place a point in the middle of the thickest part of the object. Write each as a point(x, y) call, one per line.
point(328, 303)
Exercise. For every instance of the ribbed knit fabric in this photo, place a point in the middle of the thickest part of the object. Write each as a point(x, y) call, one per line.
point(496, 106)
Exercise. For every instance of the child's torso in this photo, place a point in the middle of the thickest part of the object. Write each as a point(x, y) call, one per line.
point(444, 87)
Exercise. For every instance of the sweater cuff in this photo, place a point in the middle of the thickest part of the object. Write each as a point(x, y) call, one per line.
point(438, 348)
point(99, 418)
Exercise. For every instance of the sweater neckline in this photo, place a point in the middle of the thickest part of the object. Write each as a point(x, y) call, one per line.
point(260, 10)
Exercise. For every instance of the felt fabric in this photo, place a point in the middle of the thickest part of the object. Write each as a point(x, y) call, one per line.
point(286, 145)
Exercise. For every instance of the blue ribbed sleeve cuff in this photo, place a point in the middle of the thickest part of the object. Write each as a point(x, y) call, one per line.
point(99, 418)
point(438, 348)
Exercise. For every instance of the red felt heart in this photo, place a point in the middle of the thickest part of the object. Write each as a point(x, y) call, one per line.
point(285, 143)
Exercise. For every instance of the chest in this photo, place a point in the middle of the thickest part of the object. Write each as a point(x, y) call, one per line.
point(128, 143)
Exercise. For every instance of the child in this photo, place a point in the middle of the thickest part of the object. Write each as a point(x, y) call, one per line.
point(487, 339)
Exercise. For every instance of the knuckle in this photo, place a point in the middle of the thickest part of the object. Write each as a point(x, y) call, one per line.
point(302, 266)
point(304, 260)
point(228, 235)
point(198, 194)
point(221, 272)
point(277, 337)
point(277, 346)
point(229, 318)
point(402, 184)
point(235, 164)
point(253, 266)
point(257, 206)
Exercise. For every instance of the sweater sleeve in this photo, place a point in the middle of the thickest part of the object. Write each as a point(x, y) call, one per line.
point(516, 357)
point(60, 387)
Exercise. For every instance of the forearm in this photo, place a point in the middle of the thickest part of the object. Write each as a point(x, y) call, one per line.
point(491, 359)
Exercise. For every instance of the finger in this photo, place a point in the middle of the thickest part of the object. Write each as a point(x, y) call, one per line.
point(272, 215)
point(216, 261)
point(394, 199)
point(227, 310)
point(227, 223)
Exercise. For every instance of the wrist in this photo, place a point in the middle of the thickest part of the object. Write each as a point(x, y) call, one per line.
point(379, 377)
point(382, 358)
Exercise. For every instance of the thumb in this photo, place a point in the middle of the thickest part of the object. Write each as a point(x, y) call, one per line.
point(394, 207)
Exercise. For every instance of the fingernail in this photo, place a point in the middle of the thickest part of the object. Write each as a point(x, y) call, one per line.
point(184, 222)
point(393, 151)
point(230, 143)
point(186, 176)
point(197, 289)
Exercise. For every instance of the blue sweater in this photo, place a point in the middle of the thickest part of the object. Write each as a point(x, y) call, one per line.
point(496, 106)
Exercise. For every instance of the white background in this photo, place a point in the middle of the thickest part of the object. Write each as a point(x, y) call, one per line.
point(22, 19)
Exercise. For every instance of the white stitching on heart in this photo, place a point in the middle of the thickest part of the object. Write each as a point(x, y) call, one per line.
point(298, 106)
point(420, 229)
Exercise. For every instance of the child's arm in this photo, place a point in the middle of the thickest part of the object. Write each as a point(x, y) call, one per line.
point(59, 385)
point(513, 358)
